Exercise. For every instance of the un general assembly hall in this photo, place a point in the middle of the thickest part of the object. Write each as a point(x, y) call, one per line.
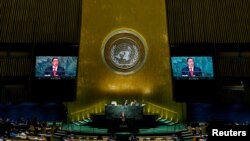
point(124, 70)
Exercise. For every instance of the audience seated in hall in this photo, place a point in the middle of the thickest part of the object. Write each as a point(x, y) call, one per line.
point(31, 128)
point(54, 128)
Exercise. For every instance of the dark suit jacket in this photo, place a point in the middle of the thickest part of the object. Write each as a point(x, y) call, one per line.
point(49, 71)
point(197, 72)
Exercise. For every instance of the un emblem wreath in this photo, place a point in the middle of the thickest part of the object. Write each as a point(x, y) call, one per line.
point(124, 51)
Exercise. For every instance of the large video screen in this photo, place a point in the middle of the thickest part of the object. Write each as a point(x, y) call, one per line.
point(56, 67)
point(192, 67)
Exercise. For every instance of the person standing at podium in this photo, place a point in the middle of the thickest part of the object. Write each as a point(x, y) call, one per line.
point(123, 117)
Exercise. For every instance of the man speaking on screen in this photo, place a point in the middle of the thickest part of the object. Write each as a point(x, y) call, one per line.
point(54, 70)
point(191, 70)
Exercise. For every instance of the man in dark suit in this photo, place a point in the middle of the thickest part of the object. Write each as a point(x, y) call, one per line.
point(190, 70)
point(125, 102)
point(55, 70)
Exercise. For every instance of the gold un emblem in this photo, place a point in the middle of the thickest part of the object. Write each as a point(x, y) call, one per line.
point(124, 51)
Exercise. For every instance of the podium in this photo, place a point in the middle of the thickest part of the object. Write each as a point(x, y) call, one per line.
point(132, 114)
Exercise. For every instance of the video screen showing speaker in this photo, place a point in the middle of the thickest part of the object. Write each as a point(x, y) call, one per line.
point(192, 67)
point(56, 67)
point(55, 72)
point(193, 73)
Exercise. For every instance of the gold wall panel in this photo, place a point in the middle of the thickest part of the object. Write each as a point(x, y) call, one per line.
point(96, 82)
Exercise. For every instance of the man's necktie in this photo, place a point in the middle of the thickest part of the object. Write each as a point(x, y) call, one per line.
point(54, 72)
point(191, 72)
